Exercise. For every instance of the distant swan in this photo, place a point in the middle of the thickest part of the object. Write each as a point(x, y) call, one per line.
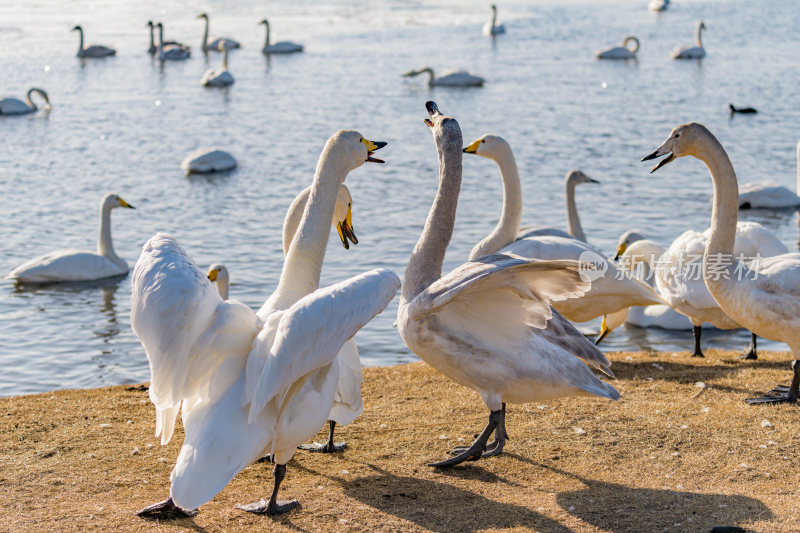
point(95, 50)
point(745, 110)
point(492, 27)
point(458, 78)
point(620, 52)
point(152, 49)
point(692, 52)
point(207, 160)
point(216, 43)
point(170, 51)
point(282, 47)
point(14, 106)
point(658, 5)
point(768, 195)
point(78, 265)
point(218, 77)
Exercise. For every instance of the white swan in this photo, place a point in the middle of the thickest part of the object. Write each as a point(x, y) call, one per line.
point(658, 5)
point(488, 324)
point(692, 52)
point(95, 50)
point(678, 276)
point(764, 296)
point(173, 51)
point(250, 384)
point(78, 265)
point(613, 290)
point(207, 160)
point(768, 195)
point(14, 106)
point(282, 47)
point(218, 77)
point(492, 28)
point(218, 42)
point(455, 78)
point(219, 276)
point(620, 52)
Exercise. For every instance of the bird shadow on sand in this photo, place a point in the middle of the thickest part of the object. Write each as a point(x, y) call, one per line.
point(620, 508)
point(439, 506)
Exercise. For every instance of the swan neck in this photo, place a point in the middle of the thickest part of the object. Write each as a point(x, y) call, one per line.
point(699, 35)
point(80, 41)
point(266, 41)
point(431, 76)
point(511, 215)
point(29, 100)
point(152, 40)
point(205, 34)
point(225, 58)
point(161, 37)
point(573, 221)
point(293, 217)
point(494, 16)
point(425, 264)
point(104, 246)
point(222, 288)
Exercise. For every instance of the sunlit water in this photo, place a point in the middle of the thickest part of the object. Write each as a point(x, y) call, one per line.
point(124, 124)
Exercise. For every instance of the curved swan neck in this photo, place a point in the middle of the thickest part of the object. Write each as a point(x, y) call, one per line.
point(266, 42)
point(642, 252)
point(511, 216)
point(293, 217)
point(425, 264)
point(80, 37)
point(30, 103)
point(104, 246)
point(431, 76)
point(573, 221)
point(635, 41)
point(699, 32)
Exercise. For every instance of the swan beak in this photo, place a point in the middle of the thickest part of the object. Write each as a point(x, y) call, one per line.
point(123, 203)
point(592, 180)
point(345, 230)
point(373, 146)
point(472, 148)
point(212, 274)
point(620, 250)
point(661, 151)
point(603, 332)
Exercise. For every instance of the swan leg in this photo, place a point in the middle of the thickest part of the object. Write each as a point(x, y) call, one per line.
point(782, 393)
point(697, 331)
point(164, 511)
point(475, 451)
point(274, 505)
point(494, 447)
point(751, 352)
point(327, 447)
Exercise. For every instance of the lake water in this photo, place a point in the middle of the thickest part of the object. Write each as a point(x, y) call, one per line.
point(124, 124)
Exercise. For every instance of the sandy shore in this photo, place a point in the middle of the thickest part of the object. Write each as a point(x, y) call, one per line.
point(670, 456)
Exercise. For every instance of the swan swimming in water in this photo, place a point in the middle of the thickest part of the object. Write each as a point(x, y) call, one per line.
point(458, 78)
point(764, 194)
point(763, 296)
point(170, 51)
point(658, 5)
point(152, 49)
point(207, 160)
point(251, 384)
point(220, 77)
point(282, 47)
point(692, 52)
point(78, 265)
point(217, 43)
point(95, 50)
point(492, 28)
point(488, 323)
point(620, 52)
point(15, 106)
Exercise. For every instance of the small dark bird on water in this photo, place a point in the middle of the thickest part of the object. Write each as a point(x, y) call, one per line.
point(742, 109)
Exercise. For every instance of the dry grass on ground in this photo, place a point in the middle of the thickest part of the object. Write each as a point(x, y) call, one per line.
point(670, 456)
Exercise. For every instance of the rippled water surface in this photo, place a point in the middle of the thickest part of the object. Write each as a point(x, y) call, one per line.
point(124, 124)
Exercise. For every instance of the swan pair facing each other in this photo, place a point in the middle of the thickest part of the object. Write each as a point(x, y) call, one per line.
point(15, 106)
point(488, 323)
point(167, 50)
point(620, 52)
point(692, 52)
point(78, 265)
point(762, 296)
point(95, 50)
point(456, 78)
point(492, 28)
point(218, 77)
point(251, 384)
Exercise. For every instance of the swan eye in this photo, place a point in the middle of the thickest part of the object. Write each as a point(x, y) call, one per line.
point(677, 135)
point(483, 141)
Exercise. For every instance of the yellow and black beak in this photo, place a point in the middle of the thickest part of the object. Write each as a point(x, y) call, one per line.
point(345, 230)
point(212, 274)
point(373, 146)
point(472, 148)
point(603, 332)
point(123, 203)
point(621, 250)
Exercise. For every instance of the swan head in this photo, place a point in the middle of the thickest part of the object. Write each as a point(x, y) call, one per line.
point(576, 177)
point(446, 130)
point(218, 275)
point(682, 141)
point(701, 25)
point(489, 146)
point(202, 16)
point(77, 28)
point(110, 201)
point(354, 148)
point(412, 73)
point(149, 24)
point(625, 240)
point(342, 217)
point(264, 22)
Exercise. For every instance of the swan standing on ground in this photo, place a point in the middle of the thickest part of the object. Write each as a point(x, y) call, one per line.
point(170, 51)
point(14, 106)
point(457, 78)
point(218, 77)
point(216, 44)
point(95, 50)
point(78, 265)
point(609, 292)
point(492, 28)
point(620, 52)
point(488, 324)
point(282, 47)
point(692, 52)
point(251, 384)
point(764, 296)
point(207, 160)
point(762, 194)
